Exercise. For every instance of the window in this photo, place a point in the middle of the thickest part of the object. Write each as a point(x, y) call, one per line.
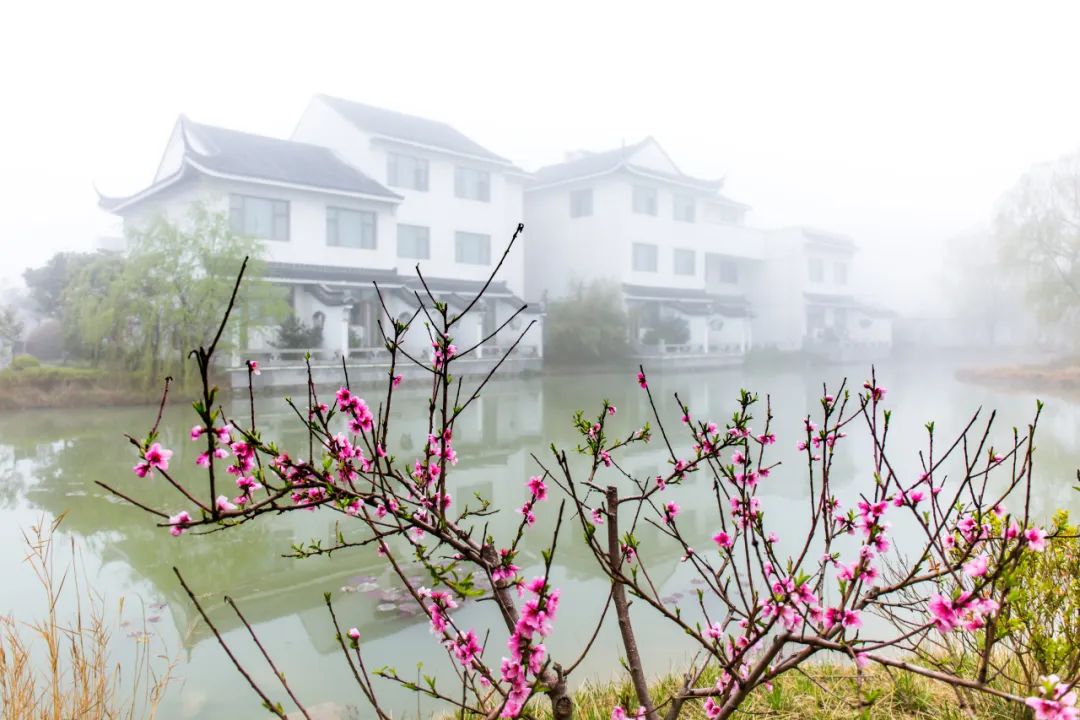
point(720, 269)
point(645, 200)
point(581, 203)
point(644, 257)
point(413, 241)
point(472, 248)
point(406, 171)
point(472, 184)
point(350, 228)
point(685, 208)
point(257, 217)
point(817, 270)
point(684, 261)
point(840, 273)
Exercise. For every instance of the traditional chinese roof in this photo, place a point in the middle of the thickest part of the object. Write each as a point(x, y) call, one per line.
point(596, 164)
point(410, 129)
point(691, 301)
point(233, 155)
point(849, 302)
point(335, 285)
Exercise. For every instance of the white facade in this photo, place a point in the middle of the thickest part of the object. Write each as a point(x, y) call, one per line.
point(637, 222)
point(672, 243)
point(804, 298)
point(312, 190)
point(438, 208)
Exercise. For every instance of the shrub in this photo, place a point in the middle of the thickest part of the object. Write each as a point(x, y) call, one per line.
point(24, 362)
point(292, 334)
point(587, 327)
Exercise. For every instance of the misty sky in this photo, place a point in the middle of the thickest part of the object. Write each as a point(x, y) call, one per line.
point(898, 124)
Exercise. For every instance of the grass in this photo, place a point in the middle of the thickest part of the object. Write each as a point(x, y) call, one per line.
point(53, 386)
point(824, 692)
point(54, 669)
point(1062, 377)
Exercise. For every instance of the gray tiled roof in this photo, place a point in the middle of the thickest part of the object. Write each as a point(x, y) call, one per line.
point(232, 152)
point(409, 128)
point(597, 163)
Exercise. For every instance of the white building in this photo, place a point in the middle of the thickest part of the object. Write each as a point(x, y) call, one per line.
point(676, 246)
point(683, 257)
point(331, 226)
point(803, 298)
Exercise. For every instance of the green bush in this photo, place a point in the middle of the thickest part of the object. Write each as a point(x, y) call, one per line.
point(46, 376)
point(24, 362)
point(588, 327)
point(1042, 625)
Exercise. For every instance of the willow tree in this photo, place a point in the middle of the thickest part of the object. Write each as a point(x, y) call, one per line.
point(143, 310)
point(1038, 234)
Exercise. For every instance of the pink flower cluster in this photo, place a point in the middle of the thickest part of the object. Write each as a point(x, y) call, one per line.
point(527, 653)
point(154, 457)
point(537, 492)
point(1056, 701)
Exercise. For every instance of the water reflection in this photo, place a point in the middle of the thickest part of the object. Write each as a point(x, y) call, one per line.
point(49, 462)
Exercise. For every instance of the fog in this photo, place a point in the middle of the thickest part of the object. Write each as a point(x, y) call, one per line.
point(899, 127)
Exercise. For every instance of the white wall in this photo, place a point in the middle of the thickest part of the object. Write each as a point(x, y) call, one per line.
point(437, 208)
point(307, 221)
point(564, 249)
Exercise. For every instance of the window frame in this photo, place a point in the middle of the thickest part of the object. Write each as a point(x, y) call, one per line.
point(676, 253)
point(462, 174)
point(580, 210)
point(636, 249)
point(333, 213)
point(426, 238)
point(689, 202)
point(815, 269)
point(237, 202)
point(420, 181)
point(459, 236)
point(653, 197)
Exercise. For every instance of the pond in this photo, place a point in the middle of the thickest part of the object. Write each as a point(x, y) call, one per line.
point(49, 461)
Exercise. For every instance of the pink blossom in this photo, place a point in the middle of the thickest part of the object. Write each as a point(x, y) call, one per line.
point(1056, 702)
point(597, 516)
point(179, 523)
point(253, 367)
point(537, 487)
point(354, 635)
point(641, 380)
point(617, 713)
point(396, 380)
point(197, 431)
point(1036, 539)
point(976, 567)
point(671, 510)
point(611, 410)
point(158, 457)
point(723, 539)
point(223, 505)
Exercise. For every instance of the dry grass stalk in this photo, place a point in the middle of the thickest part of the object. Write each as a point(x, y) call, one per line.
point(54, 669)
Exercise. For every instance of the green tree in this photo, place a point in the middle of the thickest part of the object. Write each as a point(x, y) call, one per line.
point(11, 328)
point(1038, 234)
point(48, 282)
point(589, 326)
point(145, 311)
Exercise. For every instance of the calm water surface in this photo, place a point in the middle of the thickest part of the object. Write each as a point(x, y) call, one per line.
point(50, 460)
